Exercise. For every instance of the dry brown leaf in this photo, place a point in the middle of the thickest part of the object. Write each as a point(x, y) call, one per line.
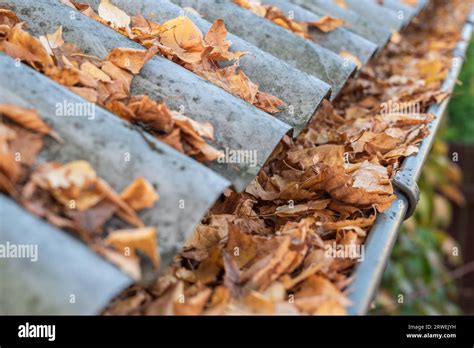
point(165, 304)
point(26, 47)
point(269, 103)
point(348, 55)
point(129, 241)
point(128, 265)
point(299, 209)
point(340, 186)
point(331, 155)
point(7, 186)
point(107, 83)
point(208, 270)
point(410, 2)
point(254, 6)
point(94, 72)
point(216, 38)
point(262, 272)
point(26, 146)
point(72, 184)
point(372, 178)
point(125, 212)
point(342, 3)
point(112, 14)
point(351, 223)
point(118, 74)
point(317, 290)
point(87, 93)
point(219, 301)
point(55, 39)
point(180, 40)
point(184, 38)
point(29, 119)
point(277, 16)
point(395, 38)
point(241, 247)
point(8, 18)
point(259, 304)
point(9, 167)
point(327, 24)
point(194, 304)
point(141, 109)
point(140, 194)
point(92, 220)
point(432, 70)
point(130, 59)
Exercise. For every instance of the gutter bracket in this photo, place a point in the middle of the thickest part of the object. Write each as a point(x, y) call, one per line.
point(409, 188)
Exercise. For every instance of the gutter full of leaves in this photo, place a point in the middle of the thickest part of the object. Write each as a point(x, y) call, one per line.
point(384, 232)
point(266, 250)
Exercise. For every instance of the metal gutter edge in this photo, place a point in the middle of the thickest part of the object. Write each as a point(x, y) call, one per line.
point(383, 235)
point(62, 277)
point(378, 248)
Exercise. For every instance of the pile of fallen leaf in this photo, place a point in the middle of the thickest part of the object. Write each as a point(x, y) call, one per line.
point(182, 42)
point(106, 82)
point(325, 24)
point(72, 196)
point(263, 251)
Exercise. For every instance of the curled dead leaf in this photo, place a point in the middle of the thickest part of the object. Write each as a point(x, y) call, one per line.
point(352, 58)
point(327, 24)
point(140, 194)
point(29, 119)
point(129, 241)
point(112, 14)
point(130, 59)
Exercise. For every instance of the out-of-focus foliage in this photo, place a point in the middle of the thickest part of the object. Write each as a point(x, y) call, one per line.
point(417, 273)
point(461, 107)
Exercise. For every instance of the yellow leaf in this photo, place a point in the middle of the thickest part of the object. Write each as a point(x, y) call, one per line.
point(341, 3)
point(140, 194)
point(396, 38)
point(130, 59)
point(184, 38)
point(55, 39)
point(142, 239)
point(348, 55)
point(128, 265)
point(72, 183)
point(93, 71)
point(114, 15)
point(327, 24)
point(21, 44)
point(410, 2)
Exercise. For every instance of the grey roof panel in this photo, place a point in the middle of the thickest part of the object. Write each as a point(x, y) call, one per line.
point(302, 92)
point(383, 17)
point(403, 11)
point(293, 49)
point(355, 22)
point(119, 153)
point(60, 275)
point(238, 126)
point(337, 40)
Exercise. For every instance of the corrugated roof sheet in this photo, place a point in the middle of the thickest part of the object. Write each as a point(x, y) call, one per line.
point(300, 72)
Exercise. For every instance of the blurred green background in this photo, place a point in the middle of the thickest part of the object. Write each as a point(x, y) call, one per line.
point(461, 107)
point(418, 278)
